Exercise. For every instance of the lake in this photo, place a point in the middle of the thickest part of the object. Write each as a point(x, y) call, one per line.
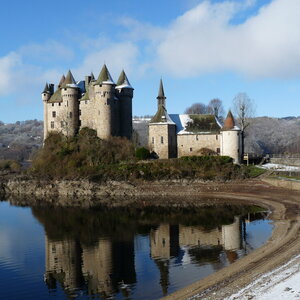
point(135, 252)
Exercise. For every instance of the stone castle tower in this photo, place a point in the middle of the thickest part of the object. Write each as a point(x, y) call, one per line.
point(99, 104)
point(162, 130)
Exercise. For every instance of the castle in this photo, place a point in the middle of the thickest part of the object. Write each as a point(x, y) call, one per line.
point(177, 135)
point(106, 107)
point(99, 104)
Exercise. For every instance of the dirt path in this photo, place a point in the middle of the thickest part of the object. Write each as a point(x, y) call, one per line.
point(283, 245)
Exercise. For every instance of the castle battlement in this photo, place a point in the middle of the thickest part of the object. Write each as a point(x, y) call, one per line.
point(99, 104)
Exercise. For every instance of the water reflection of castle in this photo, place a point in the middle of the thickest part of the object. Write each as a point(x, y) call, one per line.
point(101, 268)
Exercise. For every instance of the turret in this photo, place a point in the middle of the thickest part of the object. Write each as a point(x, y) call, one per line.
point(105, 105)
point(231, 137)
point(70, 96)
point(125, 95)
point(46, 93)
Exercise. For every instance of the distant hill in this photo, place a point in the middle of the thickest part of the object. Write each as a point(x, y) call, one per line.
point(265, 135)
point(21, 139)
point(273, 135)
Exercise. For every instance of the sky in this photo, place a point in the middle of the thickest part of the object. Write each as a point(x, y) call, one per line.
point(202, 49)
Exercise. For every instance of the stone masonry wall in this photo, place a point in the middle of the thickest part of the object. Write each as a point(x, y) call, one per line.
point(190, 144)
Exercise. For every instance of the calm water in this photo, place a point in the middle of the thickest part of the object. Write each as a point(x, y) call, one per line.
point(133, 253)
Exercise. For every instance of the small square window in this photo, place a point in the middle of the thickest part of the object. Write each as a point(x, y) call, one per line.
point(191, 149)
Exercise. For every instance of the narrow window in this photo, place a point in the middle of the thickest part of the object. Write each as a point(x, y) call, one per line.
point(79, 123)
point(218, 150)
point(85, 101)
point(153, 140)
point(79, 112)
point(52, 124)
point(59, 104)
point(162, 139)
point(54, 114)
point(216, 137)
point(191, 149)
point(52, 104)
point(70, 114)
point(197, 138)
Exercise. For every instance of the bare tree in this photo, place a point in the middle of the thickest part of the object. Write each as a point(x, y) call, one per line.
point(197, 108)
point(244, 109)
point(215, 107)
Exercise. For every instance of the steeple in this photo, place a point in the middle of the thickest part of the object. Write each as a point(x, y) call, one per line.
point(229, 122)
point(161, 96)
point(104, 76)
point(123, 81)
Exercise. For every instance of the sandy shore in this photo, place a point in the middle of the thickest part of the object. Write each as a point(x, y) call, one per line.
point(253, 277)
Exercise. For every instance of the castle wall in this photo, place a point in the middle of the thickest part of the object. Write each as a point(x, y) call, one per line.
point(162, 140)
point(190, 144)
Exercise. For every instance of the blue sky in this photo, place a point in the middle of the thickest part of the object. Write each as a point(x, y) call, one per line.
point(201, 49)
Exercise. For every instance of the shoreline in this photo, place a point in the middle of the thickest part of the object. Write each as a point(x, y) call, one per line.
point(279, 249)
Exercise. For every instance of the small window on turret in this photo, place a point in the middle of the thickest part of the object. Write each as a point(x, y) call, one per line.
point(162, 139)
point(52, 104)
point(54, 114)
point(59, 104)
point(52, 124)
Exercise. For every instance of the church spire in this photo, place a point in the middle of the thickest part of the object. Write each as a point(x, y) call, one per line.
point(161, 95)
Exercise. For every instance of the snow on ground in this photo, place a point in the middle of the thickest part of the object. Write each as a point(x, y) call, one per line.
point(281, 283)
point(279, 167)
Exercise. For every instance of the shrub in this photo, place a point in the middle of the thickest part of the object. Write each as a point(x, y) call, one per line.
point(142, 153)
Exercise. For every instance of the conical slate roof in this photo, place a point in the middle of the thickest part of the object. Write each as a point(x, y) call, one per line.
point(123, 81)
point(46, 89)
point(62, 80)
point(104, 76)
point(161, 92)
point(229, 122)
point(69, 79)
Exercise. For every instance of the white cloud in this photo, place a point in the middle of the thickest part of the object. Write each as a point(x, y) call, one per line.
point(205, 39)
point(8, 65)
point(115, 55)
